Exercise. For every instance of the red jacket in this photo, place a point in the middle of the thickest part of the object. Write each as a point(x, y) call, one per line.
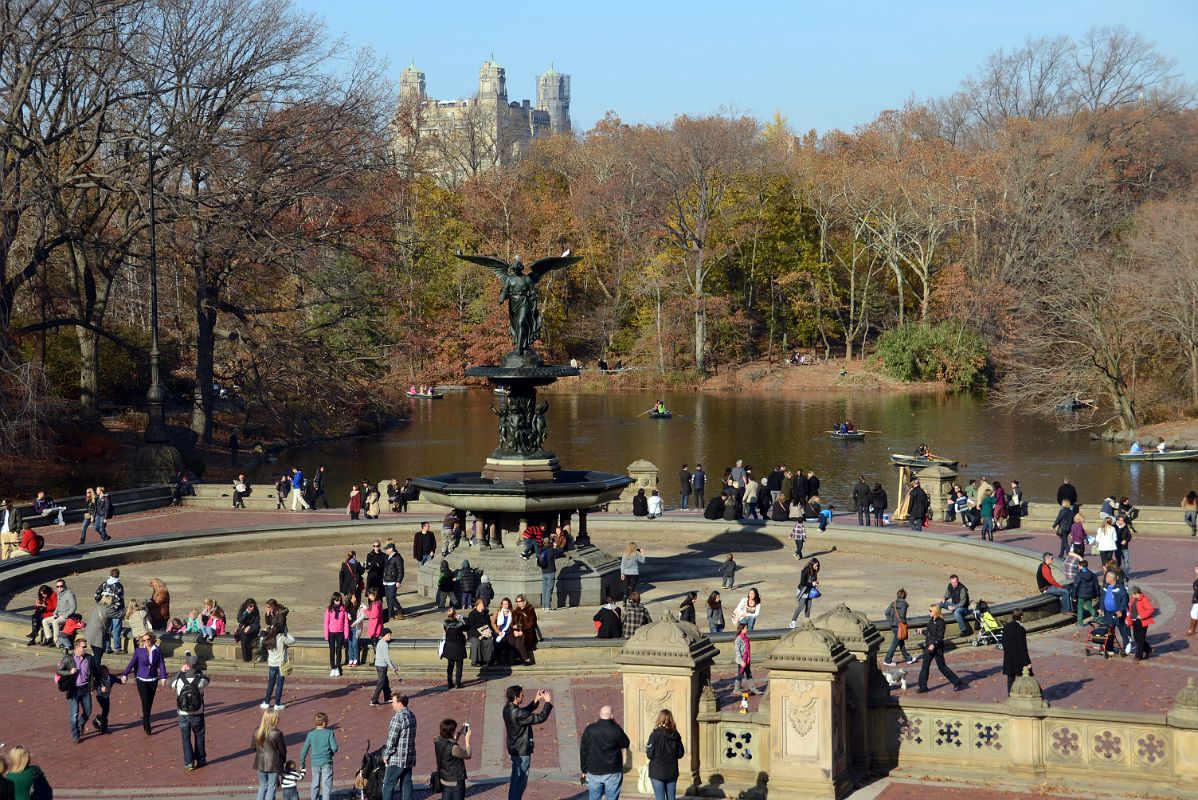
point(1046, 573)
point(1139, 607)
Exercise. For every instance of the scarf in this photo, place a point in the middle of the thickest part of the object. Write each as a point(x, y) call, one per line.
point(503, 621)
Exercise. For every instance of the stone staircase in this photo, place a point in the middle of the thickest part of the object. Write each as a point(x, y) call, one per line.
point(262, 497)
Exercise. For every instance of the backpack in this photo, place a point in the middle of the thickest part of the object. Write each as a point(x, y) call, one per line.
point(190, 700)
point(543, 558)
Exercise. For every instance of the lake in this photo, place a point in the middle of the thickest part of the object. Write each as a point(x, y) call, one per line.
point(603, 431)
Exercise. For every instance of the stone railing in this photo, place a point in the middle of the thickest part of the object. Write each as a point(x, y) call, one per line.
point(1152, 520)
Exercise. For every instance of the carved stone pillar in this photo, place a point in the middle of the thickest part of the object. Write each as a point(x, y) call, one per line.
point(1025, 736)
point(863, 679)
point(665, 665)
point(1183, 719)
point(808, 725)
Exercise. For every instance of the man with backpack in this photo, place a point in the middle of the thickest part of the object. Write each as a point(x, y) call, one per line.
point(189, 700)
point(547, 557)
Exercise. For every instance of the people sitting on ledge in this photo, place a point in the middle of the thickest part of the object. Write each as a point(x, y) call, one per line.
point(183, 488)
point(44, 504)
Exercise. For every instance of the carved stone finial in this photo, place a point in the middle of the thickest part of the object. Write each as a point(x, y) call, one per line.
point(1026, 693)
point(1184, 713)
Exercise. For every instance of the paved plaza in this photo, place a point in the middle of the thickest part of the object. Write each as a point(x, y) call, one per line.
point(126, 761)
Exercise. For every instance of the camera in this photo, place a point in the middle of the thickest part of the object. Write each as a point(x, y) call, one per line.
point(465, 727)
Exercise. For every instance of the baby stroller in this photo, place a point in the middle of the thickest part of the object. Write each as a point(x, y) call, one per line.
point(1103, 640)
point(989, 631)
point(369, 780)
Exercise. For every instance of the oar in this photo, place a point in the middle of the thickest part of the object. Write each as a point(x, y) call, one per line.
point(862, 430)
point(643, 413)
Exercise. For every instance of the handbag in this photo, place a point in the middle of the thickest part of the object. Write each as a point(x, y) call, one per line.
point(902, 632)
point(440, 653)
point(643, 784)
point(434, 781)
point(285, 669)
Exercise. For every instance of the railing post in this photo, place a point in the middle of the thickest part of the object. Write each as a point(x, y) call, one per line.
point(862, 640)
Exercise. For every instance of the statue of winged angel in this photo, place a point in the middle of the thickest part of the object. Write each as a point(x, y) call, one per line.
point(520, 293)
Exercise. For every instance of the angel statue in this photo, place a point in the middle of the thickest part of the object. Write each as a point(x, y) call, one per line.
point(520, 292)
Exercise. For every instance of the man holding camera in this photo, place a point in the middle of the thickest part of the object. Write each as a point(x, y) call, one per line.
point(518, 720)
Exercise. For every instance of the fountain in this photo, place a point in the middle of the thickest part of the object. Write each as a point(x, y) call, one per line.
point(522, 484)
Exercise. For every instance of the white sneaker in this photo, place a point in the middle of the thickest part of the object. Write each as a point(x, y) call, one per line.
point(888, 663)
point(332, 673)
point(264, 706)
point(792, 623)
point(1128, 648)
point(279, 706)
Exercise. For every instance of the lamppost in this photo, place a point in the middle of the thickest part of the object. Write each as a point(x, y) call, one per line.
point(157, 460)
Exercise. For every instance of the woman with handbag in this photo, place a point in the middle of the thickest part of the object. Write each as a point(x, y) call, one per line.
point(807, 591)
point(278, 667)
point(454, 648)
point(896, 615)
point(89, 514)
point(663, 751)
point(452, 747)
point(270, 754)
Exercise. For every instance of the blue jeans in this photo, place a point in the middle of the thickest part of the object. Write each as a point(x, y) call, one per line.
point(393, 606)
point(192, 728)
point(274, 685)
point(825, 518)
point(1120, 623)
point(102, 527)
point(83, 531)
point(896, 644)
point(114, 633)
point(267, 781)
point(466, 601)
point(548, 579)
point(683, 501)
point(519, 780)
point(322, 781)
point(1124, 557)
point(607, 786)
point(397, 775)
point(663, 790)
point(353, 645)
point(916, 523)
point(959, 614)
point(1061, 594)
point(80, 703)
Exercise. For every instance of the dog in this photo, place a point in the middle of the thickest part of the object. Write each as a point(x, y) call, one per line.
point(896, 677)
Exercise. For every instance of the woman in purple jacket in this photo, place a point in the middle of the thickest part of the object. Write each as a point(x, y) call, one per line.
point(149, 668)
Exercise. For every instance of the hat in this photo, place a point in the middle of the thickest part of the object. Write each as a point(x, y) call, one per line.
point(485, 579)
point(190, 659)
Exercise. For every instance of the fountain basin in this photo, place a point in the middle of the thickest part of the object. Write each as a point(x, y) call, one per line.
point(569, 490)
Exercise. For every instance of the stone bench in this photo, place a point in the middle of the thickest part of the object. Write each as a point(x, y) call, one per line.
point(1152, 520)
point(124, 501)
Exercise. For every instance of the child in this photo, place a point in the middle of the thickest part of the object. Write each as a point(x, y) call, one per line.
point(744, 670)
point(715, 613)
point(728, 572)
point(193, 623)
point(323, 744)
point(799, 534)
point(137, 624)
point(104, 683)
point(291, 777)
point(175, 625)
point(486, 592)
point(72, 625)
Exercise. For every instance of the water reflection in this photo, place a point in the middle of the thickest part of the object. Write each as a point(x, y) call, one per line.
point(607, 431)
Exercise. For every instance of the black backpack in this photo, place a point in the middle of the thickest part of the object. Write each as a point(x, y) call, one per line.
point(190, 700)
point(543, 558)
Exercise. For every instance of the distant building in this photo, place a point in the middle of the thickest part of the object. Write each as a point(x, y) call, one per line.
point(458, 138)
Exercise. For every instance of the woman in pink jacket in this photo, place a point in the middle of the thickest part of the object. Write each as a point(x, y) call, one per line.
point(374, 616)
point(336, 631)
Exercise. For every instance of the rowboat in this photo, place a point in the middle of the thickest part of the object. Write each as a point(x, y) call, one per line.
point(424, 396)
point(661, 414)
point(499, 390)
point(855, 436)
point(1168, 455)
point(900, 460)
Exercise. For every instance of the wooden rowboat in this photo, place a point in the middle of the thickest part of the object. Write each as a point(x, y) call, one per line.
point(855, 436)
point(419, 396)
point(661, 414)
point(1168, 455)
point(900, 460)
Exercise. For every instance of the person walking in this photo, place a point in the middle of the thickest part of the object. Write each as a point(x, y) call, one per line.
point(1014, 649)
point(715, 613)
point(89, 514)
point(808, 590)
point(878, 500)
point(1085, 591)
point(322, 744)
point(1190, 631)
point(1189, 508)
point(270, 754)
point(424, 544)
point(297, 490)
point(354, 506)
point(27, 780)
point(1123, 534)
point(1062, 525)
point(896, 617)
point(752, 488)
point(918, 505)
point(933, 650)
point(663, 751)
point(189, 687)
point(518, 720)
point(630, 568)
point(601, 756)
point(349, 577)
point(684, 488)
point(744, 661)
point(78, 670)
point(798, 535)
point(399, 751)
point(452, 748)
point(149, 670)
point(104, 512)
point(277, 642)
point(393, 573)
point(318, 487)
point(1139, 617)
point(336, 632)
point(383, 663)
point(111, 594)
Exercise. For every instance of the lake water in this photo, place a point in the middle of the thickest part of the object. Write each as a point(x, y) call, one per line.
point(603, 431)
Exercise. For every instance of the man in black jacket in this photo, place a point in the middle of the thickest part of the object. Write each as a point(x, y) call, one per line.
point(917, 506)
point(1063, 523)
point(684, 487)
point(374, 567)
point(1014, 649)
point(518, 721)
point(861, 499)
point(424, 544)
point(392, 580)
point(601, 755)
point(1066, 491)
point(318, 488)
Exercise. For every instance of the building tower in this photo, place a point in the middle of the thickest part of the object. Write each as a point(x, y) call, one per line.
point(553, 96)
point(411, 84)
point(492, 81)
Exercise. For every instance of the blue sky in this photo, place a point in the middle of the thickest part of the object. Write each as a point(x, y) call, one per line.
point(823, 65)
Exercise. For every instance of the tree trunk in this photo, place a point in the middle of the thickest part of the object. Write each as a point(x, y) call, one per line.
point(89, 373)
point(700, 313)
point(201, 411)
point(1194, 373)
